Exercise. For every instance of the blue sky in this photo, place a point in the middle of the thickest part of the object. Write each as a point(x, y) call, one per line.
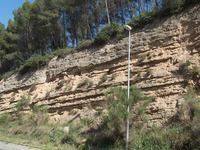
point(6, 9)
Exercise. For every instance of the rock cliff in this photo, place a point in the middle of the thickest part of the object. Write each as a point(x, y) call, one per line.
point(76, 85)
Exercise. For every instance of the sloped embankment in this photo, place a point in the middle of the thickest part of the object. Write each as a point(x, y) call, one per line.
point(77, 83)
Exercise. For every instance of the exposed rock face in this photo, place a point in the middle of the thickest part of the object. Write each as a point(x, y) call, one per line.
point(80, 80)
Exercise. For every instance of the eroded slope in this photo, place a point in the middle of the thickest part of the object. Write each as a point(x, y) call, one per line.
point(76, 85)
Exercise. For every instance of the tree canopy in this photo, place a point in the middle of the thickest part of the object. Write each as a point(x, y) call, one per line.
point(43, 26)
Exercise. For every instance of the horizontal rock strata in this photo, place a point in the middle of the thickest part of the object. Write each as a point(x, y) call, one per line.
point(81, 79)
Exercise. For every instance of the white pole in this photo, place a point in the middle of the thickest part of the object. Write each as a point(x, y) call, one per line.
point(128, 109)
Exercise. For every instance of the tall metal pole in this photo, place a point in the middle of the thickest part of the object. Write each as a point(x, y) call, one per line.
point(128, 96)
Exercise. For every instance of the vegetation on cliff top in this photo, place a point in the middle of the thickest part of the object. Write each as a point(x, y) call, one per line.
point(42, 27)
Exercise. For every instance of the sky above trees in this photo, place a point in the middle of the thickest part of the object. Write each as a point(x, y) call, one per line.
point(7, 7)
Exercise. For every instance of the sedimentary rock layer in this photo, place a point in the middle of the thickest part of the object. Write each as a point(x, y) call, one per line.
point(80, 80)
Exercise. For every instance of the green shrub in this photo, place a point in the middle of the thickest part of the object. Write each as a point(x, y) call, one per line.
point(74, 137)
point(190, 72)
point(4, 119)
point(55, 135)
point(174, 137)
point(61, 53)
point(11, 61)
point(2, 54)
point(175, 6)
point(108, 33)
point(187, 135)
point(191, 2)
point(191, 105)
point(183, 67)
point(39, 109)
point(142, 20)
point(39, 115)
point(118, 103)
point(169, 7)
point(34, 128)
point(150, 139)
point(7, 74)
point(34, 62)
point(22, 103)
point(84, 45)
point(37, 61)
point(112, 129)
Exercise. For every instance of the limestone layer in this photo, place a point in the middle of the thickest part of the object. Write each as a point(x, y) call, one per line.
point(77, 83)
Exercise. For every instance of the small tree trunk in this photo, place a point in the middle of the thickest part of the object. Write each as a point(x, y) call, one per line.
point(107, 11)
point(156, 5)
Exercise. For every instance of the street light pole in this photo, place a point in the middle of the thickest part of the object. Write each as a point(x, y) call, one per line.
point(128, 88)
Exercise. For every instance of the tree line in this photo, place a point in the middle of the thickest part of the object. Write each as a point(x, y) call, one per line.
point(43, 26)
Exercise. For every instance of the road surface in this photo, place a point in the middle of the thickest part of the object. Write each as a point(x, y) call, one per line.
point(10, 146)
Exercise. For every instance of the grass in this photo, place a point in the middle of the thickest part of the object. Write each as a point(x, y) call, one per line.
point(34, 130)
point(180, 134)
point(149, 140)
point(174, 137)
point(33, 143)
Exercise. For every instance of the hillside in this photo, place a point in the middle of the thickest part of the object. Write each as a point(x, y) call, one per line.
point(76, 85)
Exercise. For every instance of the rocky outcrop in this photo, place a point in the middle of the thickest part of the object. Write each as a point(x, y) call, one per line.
point(80, 80)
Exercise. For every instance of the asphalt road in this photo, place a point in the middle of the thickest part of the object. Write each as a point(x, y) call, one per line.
point(10, 146)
